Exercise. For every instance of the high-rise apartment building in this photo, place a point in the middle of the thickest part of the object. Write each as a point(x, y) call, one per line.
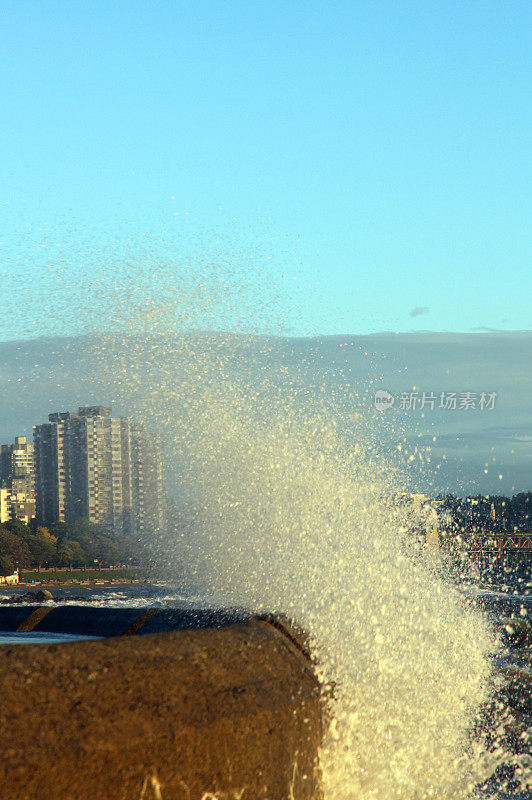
point(5, 514)
point(147, 481)
point(17, 470)
point(92, 465)
point(16, 506)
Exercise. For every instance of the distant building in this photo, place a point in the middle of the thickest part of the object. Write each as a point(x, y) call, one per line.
point(22, 508)
point(17, 469)
point(10, 580)
point(4, 507)
point(147, 481)
point(16, 506)
point(98, 467)
point(428, 509)
point(17, 481)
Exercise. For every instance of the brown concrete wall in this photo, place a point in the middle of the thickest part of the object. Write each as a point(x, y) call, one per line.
point(232, 713)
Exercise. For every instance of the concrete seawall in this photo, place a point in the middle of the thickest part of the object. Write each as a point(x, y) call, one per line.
point(187, 705)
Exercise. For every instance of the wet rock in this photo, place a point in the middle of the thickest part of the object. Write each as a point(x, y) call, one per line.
point(37, 596)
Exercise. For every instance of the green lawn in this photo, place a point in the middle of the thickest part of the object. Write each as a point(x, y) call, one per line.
point(64, 575)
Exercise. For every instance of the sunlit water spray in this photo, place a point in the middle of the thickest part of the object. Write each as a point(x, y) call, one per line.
point(288, 507)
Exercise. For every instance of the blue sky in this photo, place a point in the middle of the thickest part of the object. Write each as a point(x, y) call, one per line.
point(376, 152)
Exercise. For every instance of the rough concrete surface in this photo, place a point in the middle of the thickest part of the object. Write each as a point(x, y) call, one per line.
point(232, 713)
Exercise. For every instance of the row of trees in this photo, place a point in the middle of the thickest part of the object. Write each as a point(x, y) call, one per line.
point(509, 512)
point(79, 544)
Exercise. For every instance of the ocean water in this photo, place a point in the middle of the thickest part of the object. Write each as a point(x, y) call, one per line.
point(40, 638)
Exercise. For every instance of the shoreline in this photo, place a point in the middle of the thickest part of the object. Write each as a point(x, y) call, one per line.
point(72, 584)
point(116, 581)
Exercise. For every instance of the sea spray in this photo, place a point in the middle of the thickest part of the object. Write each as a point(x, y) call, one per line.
point(292, 508)
point(287, 499)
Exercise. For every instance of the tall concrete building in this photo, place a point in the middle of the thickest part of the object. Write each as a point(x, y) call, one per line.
point(16, 506)
point(17, 469)
point(147, 481)
point(91, 465)
point(5, 514)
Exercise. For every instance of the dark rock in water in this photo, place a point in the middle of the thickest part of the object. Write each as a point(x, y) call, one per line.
point(37, 596)
point(42, 596)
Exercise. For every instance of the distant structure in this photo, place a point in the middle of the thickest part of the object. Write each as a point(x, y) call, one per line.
point(17, 469)
point(98, 467)
point(16, 506)
point(4, 508)
point(10, 580)
point(17, 481)
point(496, 548)
point(149, 510)
point(428, 508)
